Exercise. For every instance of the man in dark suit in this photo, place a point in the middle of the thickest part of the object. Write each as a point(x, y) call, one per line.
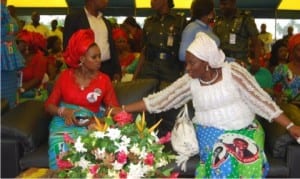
point(91, 16)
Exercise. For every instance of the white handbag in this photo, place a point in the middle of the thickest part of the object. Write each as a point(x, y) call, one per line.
point(183, 138)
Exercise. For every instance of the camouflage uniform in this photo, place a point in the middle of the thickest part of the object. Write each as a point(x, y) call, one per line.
point(161, 39)
point(234, 34)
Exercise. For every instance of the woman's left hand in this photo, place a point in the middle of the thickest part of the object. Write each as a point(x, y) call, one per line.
point(295, 132)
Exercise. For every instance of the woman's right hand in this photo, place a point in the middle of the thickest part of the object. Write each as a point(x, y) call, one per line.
point(68, 115)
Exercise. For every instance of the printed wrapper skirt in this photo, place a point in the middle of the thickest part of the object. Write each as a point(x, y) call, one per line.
point(57, 129)
point(231, 153)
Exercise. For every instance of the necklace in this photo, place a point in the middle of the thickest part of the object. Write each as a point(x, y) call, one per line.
point(211, 81)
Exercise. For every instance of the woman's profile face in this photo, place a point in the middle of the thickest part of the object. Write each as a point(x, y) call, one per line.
point(195, 67)
point(92, 58)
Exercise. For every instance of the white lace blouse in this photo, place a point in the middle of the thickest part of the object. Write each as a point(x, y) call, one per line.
point(228, 104)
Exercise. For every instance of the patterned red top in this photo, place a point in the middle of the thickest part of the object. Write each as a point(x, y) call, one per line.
point(36, 68)
point(68, 91)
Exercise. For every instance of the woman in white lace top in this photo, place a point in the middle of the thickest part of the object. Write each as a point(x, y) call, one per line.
point(226, 99)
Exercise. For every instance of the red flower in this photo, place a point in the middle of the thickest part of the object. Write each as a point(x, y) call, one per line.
point(123, 118)
point(68, 139)
point(123, 174)
point(149, 160)
point(122, 157)
point(94, 169)
point(165, 138)
point(174, 175)
point(63, 164)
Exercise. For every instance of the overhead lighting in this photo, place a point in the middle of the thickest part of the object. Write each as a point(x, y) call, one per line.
point(37, 3)
point(179, 4)
point(289, 5)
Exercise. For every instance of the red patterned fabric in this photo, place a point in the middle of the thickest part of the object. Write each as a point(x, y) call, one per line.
point(78, 44)
point(68, 91)
point(293, 41)
point(33, 39)
point(36, 68)
point(119, 33)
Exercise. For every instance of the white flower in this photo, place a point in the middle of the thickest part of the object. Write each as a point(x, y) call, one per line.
point(113, 133)
point(121, 148)
point(79, 145)
point(162, 162)
point(99, 154)
point(89, 175)
point(83, 163)
point(135, 149)
point(125, 140)
point(147, 168)
point(143, 153)
point(98, 134)
point(112, 174)
point(135, 171)
point(117, 165)
point(154, 134)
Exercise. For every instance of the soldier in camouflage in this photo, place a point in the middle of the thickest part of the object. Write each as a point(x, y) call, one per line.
point(235, 28)
point(161, 39)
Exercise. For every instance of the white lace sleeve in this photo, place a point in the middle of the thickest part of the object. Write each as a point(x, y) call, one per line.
point(174, 96)
point(254, 96)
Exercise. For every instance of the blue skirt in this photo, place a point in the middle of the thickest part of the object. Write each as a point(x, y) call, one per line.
point(9, 86)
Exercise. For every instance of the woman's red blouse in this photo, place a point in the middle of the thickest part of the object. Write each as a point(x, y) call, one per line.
point(91, 97)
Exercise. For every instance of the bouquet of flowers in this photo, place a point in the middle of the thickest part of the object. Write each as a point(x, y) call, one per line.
point(117, 149)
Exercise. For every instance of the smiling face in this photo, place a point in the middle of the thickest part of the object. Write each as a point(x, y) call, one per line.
point(195, 67)
point(92, 58)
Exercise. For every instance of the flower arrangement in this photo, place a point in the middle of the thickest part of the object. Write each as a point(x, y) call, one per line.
point(117, 149)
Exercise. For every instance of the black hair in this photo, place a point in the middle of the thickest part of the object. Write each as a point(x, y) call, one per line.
point(51, 41)
point(274, 52)
point(170, 3)
point(131, 21)
point(200, 8)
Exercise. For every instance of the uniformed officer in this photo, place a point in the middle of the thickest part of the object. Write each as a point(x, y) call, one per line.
point(161, 39)
point(235, 28)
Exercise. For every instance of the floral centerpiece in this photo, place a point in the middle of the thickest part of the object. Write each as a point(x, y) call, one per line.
point(117, 149)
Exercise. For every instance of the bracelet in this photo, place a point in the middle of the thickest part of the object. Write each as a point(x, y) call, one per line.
point(60, 111)
point(22, 90)
point(291, 124)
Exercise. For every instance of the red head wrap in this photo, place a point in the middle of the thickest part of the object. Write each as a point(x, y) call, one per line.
point(293, 41)
point(119, 33)
point(78, 44)
point(33, 39)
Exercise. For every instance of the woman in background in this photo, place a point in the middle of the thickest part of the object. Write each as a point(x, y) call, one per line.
point(286, 79)
point(11, 58)
point(32, 45)
point(128, 60)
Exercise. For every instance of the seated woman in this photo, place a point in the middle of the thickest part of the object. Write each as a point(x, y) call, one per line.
point(226, 99)
point(279, 54)
point(286, 79)
point(78, 92)
point(127, 59)
point(55, 57)
point(32, 46)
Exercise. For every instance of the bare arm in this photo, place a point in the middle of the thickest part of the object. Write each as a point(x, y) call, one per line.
point(285, 122)
point(66, 113)
point(138, 106)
